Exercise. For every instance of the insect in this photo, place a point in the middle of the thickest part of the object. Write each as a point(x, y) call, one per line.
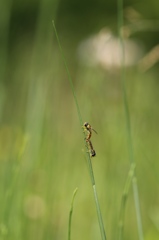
point(91, 150)
point(89, 129)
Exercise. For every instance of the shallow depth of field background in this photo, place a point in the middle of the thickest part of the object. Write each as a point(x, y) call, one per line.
point(42, 159)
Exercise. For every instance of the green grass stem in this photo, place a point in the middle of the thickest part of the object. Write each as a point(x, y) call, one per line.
point(123, 201)
point(70, 215)
point(69, 75)
point(128, 124)
point(100, 220)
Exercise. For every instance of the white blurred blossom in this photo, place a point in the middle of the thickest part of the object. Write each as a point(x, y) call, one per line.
point(104, 49)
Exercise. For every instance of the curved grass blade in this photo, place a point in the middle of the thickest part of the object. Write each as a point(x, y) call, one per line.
point(70, 214)
point(123, 201)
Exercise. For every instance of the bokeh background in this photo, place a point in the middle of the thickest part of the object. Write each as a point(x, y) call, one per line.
point(42, 159)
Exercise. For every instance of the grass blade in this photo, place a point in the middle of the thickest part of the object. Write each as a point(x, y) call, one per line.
point(123, 201)
point(128, 124)
point(69, 75)
point(70, 215)
point(100, 220)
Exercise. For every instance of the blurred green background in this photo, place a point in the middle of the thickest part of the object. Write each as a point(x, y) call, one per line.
point(41, 143)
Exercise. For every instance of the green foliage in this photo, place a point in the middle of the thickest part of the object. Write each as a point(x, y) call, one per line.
point(41, 145)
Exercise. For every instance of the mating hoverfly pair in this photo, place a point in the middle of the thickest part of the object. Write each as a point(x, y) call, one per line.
point(89, 129)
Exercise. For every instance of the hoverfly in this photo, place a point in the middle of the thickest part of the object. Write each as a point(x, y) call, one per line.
point(89, 129)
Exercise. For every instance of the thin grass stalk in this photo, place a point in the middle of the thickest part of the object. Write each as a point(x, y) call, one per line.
point(100, 220)
point(128, 124)
point(124, 200)
point(68, 74)
point(70, 214)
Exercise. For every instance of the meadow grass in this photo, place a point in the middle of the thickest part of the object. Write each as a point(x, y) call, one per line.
point(123, 202)
point(89, 160)
point(70, 214)
point(41, 157)
point(128, 126)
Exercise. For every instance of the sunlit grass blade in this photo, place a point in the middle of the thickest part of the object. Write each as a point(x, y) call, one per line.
point(100, 220)
point(70, 215)
point(128, 124)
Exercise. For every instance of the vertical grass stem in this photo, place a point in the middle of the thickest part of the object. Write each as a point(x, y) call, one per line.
point(127, 115)
point(70, 215)
point(100, 220)
point(123, 201)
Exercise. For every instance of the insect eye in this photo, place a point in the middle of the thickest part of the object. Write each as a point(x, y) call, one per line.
point(86, 124)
